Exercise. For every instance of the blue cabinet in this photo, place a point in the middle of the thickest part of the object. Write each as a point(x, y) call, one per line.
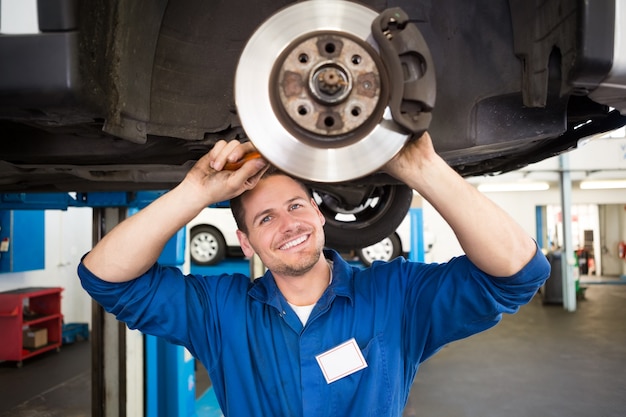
point(22, 240)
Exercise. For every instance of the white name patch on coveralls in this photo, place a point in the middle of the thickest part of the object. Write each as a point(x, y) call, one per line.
point(341, 361)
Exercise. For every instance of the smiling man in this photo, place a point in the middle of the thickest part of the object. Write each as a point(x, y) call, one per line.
point(313, 336)
point(286, 232)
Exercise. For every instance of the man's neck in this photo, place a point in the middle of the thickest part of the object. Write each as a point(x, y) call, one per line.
point(305, 289)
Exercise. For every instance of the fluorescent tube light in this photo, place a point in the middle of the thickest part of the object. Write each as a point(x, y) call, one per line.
point(18, 17)
point(513, 186)
point(602, 184)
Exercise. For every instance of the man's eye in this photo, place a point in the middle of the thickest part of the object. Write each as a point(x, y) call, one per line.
point(295, 206)
point(265, 219)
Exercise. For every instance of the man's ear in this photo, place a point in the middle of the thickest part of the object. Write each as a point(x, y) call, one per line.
point(319, 212)
point(245, 244)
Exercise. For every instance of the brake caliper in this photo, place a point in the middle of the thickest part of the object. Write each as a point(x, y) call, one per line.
point(407, 59)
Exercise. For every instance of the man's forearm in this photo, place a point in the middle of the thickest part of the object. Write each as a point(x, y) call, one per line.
point(493, 240)
point(489, 236)
point(135, 244)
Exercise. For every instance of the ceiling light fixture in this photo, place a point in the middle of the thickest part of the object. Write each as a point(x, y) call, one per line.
point(602, 184)
point(513, 186)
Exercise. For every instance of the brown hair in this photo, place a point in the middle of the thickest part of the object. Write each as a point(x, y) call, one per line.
point(236, 203)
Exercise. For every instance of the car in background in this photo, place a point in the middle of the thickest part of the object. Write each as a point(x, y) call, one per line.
point(396, 244)
point(212, 238)
point(123, 95)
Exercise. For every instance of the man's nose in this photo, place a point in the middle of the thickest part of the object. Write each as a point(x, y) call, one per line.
point(290, 223)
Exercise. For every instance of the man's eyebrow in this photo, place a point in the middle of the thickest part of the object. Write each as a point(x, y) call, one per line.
point(291, 200)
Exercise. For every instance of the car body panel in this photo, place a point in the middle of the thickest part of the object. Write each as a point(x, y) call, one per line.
point(141, 97)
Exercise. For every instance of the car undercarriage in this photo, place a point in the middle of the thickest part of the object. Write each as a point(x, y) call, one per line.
point(124, 96)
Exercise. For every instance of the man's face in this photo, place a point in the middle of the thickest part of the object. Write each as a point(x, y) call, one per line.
point(285, 227)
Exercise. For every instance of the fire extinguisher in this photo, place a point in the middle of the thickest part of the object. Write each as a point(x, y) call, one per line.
point(621, 249)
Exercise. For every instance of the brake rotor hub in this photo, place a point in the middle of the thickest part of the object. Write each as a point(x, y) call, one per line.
point(328, 85)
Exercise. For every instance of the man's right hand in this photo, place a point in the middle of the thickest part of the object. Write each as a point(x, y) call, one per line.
point(215, 183)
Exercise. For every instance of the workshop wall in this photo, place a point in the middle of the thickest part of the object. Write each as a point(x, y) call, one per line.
point(599, 159)
point(68, 236)
point(521, 206)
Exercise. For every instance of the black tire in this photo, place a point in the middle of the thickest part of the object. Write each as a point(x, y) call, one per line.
point(385, 250)
point(206, 246)
point(370, 223)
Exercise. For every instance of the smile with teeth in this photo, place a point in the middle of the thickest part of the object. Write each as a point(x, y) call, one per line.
point(294, 242)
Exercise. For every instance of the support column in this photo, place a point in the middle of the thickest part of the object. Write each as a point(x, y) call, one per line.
point(417, 252)
point(257, 268)
point(116, 351)
point(567, 256)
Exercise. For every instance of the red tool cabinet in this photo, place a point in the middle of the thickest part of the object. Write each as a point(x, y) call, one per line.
point(29, 309)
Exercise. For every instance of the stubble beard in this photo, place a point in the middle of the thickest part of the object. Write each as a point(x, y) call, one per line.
point(304, 264)
point(297, 269)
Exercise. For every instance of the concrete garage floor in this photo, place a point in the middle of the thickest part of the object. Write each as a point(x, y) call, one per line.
point(543, 361)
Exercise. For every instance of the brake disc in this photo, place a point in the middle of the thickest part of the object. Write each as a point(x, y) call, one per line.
point(312, 93)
